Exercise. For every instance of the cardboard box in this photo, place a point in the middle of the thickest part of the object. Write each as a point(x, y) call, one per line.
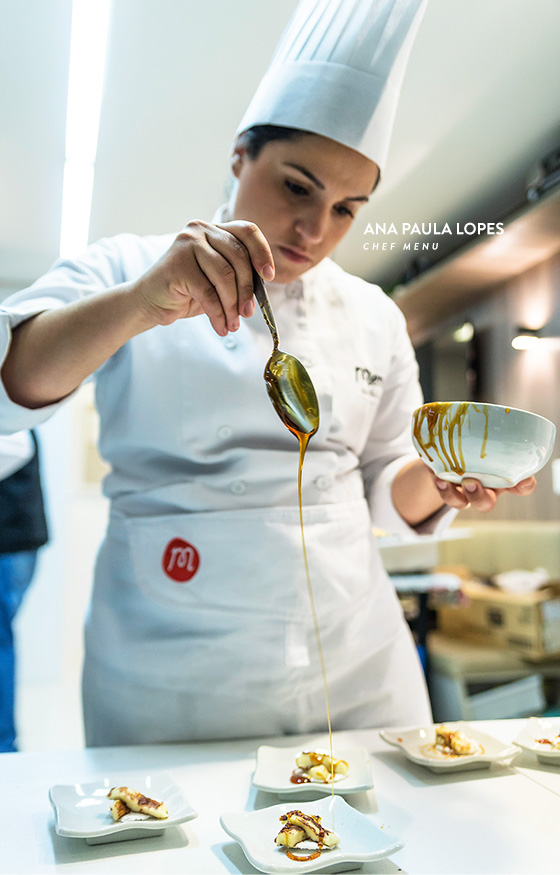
point(528, 623)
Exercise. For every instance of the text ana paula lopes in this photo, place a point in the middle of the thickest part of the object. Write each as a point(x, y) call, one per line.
point(423, 229)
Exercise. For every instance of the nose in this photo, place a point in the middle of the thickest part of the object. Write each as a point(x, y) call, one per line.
point(312, 224)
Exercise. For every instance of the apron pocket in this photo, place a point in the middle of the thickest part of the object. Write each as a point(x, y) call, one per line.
point(228, 561)
point(251, 561)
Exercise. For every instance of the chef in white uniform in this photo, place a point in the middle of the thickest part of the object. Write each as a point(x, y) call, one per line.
point(200, 623)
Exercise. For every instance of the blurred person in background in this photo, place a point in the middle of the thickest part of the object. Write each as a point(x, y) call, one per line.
point(23, 530)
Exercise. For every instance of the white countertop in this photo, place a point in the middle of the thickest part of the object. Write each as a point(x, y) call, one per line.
point(499, 820)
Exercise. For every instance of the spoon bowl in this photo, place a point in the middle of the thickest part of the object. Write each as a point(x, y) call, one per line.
point(292, 393)
point(288, 384)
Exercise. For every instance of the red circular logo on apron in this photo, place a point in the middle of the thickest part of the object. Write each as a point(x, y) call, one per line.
point(180, 560)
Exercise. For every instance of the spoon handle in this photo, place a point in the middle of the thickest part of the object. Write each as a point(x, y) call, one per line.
point(264, 304)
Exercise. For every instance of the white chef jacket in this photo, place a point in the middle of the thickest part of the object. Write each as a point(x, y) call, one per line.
point(16, 450)
point(200, 624)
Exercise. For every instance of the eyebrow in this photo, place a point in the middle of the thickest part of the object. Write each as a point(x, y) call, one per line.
point(318, 182)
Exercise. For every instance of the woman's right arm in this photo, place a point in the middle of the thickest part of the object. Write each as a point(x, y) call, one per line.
point(54, 351)
point(207, 270)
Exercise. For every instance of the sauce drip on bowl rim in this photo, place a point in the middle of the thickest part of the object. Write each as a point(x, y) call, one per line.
point(438, 428)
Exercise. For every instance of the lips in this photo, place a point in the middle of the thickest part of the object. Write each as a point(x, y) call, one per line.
point(295, 255)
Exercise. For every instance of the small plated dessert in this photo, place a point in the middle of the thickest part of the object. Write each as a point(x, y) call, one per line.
point(541, 736)
point(126, 800)
point(299, 827)
point(450, 747)
point(314, 766)
point(306, 772)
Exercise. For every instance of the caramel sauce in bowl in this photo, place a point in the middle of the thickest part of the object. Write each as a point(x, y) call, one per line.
point(494, 444)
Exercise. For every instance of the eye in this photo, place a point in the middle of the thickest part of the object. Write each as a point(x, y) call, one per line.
point(344, 211)
point(295, 187)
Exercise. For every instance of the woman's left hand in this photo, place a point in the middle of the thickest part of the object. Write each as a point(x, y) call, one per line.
point(418, 493)
point(471, 493)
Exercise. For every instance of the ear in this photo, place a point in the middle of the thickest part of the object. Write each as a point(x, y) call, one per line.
point(238, 156)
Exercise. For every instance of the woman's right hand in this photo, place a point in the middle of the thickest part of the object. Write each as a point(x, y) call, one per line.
point(207, 269)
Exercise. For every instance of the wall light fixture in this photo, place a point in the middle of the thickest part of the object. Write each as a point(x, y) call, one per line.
point(547, 337)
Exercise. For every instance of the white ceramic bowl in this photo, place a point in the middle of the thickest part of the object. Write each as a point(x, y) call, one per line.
point(497, 445)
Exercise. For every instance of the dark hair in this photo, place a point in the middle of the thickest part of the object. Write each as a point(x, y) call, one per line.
point(254, 139)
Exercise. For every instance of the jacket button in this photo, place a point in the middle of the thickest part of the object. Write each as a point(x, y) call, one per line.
point(238, 487)
point(230, 343)
point(225, 431)
point(323, 482)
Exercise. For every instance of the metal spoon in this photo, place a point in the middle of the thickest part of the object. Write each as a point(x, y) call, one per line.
point(288, 384)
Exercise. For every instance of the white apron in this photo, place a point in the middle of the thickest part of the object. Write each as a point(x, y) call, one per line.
point(231, 651)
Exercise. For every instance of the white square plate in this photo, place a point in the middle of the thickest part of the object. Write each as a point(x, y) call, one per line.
point(540, 727)
point(417, 746)
point(276, 764)
point(360, 839)
point(83, 810)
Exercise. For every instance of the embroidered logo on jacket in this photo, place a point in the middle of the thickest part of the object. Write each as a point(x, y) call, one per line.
point(180, 560)
point(368, 382)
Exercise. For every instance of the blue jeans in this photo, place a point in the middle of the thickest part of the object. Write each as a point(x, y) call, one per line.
point(16, 572)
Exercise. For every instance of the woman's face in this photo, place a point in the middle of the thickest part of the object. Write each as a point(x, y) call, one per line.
point(303, 194)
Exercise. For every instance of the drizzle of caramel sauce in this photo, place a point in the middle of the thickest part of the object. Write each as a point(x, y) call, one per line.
point(298, 776)
point(445, 431)
point(316, 758)
point(303, 442)
point(303, 859)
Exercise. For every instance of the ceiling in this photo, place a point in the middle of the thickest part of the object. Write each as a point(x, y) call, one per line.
point(480, 106)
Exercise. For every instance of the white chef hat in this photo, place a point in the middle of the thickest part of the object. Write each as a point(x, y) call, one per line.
point(338, 71)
